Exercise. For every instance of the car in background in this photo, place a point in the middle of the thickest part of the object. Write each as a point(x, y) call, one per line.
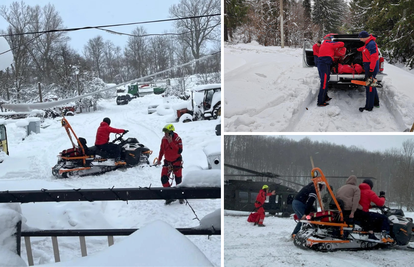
point(123, 99)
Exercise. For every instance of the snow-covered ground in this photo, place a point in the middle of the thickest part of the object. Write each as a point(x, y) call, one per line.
point(248, 245)
point(266, 89)
point(29, 167)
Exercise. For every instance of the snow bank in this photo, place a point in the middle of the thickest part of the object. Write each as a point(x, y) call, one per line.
point(212, 220)
point(156, 244)
point(200, 178)
point(10, 215)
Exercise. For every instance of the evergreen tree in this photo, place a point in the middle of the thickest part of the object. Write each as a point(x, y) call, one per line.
point(360, 12)
point(399, 41)
point(308, 10)
point(234, 14)
point(329, 15)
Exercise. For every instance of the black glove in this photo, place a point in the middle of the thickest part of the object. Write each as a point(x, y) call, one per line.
point(382, 194)
point(125, 131)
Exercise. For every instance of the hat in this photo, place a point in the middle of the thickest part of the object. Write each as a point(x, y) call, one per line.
point(368, 182)
point(265, 187)
point(363, 34)
point(107, 120)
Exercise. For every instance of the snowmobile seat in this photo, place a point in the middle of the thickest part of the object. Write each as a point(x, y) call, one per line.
point(83, 142)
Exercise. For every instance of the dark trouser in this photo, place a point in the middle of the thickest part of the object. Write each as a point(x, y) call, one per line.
point(315, 59)
point(299, 209)
point(171, 167)
point(372, 221)
point(371, 92)
point(113, 150)
point(324, 68)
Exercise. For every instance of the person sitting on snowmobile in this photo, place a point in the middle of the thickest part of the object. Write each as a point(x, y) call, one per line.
point(303, 203)
point(350, 195)
point(373, 220)
point(102, 139)
point(260, 200)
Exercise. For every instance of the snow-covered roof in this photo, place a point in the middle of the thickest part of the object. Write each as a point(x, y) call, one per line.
point(204, 87)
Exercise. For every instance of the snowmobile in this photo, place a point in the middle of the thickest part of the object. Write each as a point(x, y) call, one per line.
point(81, 160)
point(327, 230)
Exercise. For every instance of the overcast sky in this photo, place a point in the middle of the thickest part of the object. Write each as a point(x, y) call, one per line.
point(372, 142)
point(80, 13)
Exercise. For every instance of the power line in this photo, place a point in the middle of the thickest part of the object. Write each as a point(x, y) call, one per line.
point(113, 25)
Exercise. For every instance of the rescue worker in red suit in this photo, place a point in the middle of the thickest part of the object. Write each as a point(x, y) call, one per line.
point(370, 57)
point(260, 200)
point(171, 148)
point(102, 140)
point(325, 60)
point(373, 220)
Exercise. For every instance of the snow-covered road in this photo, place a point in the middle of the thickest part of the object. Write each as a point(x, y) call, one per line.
point(266, 89)
point(248, 245)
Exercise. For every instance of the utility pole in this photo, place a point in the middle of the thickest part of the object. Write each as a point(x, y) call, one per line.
point(40, 91)
point(281, 25)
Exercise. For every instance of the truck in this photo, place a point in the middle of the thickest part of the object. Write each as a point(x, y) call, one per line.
point(343, 80)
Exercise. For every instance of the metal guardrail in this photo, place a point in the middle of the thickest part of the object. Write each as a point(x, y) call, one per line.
point(90, 195)
point(110, 233)
point(124, 194)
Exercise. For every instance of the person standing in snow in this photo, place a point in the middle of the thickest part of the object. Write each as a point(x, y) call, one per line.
point(370, 57)
point(303, 203)
point(171, 148)
point(350, 195)
point(102, 140)
point(373, 220)
point(315, 49)
point(325, 60)
point(260, 200)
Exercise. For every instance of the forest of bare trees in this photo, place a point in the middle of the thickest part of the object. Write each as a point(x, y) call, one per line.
point(392, 169)
point(48, 59)
point(259, 20)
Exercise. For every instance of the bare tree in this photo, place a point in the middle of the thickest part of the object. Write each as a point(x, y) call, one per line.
point(136, 53)
point(94, 53)
point(196, 32)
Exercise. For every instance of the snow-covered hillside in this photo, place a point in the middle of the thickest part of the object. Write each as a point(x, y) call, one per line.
point(29, 167)
point(266, 89)
point(248, 245)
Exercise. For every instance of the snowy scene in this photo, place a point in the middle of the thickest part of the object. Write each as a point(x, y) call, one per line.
point(268, 90)
point(267, 43)
point(67, 69)
point(29, 167)
point(296, 162)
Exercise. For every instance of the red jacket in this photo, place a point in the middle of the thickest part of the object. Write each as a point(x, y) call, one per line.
point(102, 134)
point(315, 49)
point(327, 48)
point(171, 151)
point(368, 196)
point(370, 52)
point(261, 198)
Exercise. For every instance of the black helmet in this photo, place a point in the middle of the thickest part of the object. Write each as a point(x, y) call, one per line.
point(107, 120)
point(368, 182)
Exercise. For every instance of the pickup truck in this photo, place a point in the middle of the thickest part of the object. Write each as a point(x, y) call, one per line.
point(351, 42)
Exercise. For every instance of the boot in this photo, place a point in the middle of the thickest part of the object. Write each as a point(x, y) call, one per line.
point(169, 201)
point(182, 201)
point(372, 237)
point(261, 225)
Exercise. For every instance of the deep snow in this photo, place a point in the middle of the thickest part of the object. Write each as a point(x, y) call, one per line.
point(248, 245)
point(268, 90)
point(29, 167)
